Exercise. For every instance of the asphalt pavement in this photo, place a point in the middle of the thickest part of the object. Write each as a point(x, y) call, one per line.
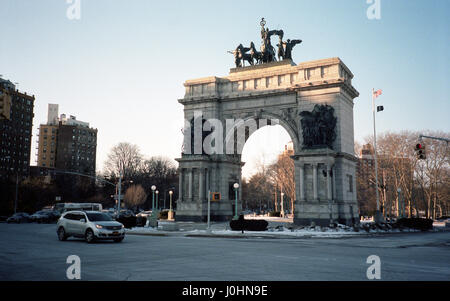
point(33, 252)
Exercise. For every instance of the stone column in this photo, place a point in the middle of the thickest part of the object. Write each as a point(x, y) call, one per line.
point(301, 182)
point(334, 182)
point(329, 183)
point(315, 188)
point(190, 185)
point(180, 185)
point(207, 180)
point(201, 187)
point(240, 188)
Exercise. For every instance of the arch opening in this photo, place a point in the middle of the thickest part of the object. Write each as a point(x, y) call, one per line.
point(268, 174)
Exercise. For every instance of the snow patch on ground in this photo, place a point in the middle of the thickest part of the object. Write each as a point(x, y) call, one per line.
point(142, 230)
point(278, 231)
point(282, 230)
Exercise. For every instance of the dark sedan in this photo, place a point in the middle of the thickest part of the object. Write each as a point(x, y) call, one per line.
point(19, 217)
point(45, 216)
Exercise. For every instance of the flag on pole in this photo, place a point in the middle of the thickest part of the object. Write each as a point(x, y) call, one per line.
point(376, 93)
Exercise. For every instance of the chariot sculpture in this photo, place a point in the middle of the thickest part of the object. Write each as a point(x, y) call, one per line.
point(267, 52)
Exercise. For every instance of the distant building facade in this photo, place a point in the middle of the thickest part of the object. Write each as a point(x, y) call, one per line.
point(288, 149)
point(387, 168)
point(365, 186)
point(67, 144)
point(47, 145)
point(16, 122)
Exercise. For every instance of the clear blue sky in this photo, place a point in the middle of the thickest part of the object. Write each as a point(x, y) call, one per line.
point(121, 67)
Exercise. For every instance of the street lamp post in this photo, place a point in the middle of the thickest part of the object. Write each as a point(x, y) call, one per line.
point(236, 187)
point(153, 197)
point(157, 199)
point(153, 220)
point(165, 190)
point(120, 191)
point(170, 214)
point(282, 204)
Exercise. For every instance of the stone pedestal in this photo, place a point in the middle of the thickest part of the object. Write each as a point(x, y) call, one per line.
point(320, 202)
point(152, 221)
point(215, 173)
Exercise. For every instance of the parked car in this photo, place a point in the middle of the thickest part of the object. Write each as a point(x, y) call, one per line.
point(45, 216)
point(36, 217)
point(144, 213)
point(19, 217)
point(111, 214)
point(90, 225)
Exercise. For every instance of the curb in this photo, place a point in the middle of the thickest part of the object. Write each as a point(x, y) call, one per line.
point(273, 235)
point(147, 234)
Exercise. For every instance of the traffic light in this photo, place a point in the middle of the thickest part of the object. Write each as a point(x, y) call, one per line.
point(216, 196)
point(420, 151)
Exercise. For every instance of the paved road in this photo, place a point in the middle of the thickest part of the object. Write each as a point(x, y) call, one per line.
point(32, 252)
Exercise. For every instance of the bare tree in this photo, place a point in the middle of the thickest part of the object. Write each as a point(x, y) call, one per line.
point(135, 196)
point(257, 190)
point(423, 183)
point(357, 148)
point(433, 174)
point(161, 172)
point(159, 167)
point(125, 159)
point(283, 176)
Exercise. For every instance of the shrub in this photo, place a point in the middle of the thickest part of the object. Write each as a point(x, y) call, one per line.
point(141, 221)
point(128, 221)
point(275, 213)
point(242, 224)
point(422, 224)
point(163, 214)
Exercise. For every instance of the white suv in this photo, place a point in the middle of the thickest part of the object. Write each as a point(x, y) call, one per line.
point(91, 225)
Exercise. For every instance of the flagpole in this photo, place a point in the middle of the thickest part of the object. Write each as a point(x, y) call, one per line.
point(377, 213)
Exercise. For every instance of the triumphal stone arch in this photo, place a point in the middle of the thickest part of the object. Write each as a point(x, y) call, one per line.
point(313, 101)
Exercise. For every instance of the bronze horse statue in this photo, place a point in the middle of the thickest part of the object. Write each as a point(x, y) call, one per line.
point(243, 55)
point(256, 55)
point(240, 55)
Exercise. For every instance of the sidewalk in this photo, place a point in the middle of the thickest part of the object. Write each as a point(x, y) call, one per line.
point(277, 229)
